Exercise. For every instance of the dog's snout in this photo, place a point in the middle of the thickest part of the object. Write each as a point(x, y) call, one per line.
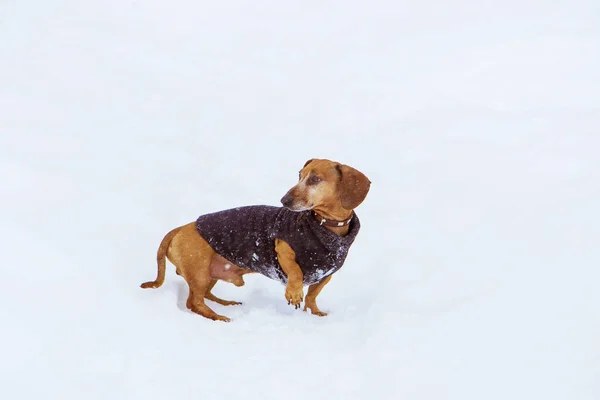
point(287, 200)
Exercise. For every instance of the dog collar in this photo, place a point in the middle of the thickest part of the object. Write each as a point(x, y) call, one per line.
point(332, 222)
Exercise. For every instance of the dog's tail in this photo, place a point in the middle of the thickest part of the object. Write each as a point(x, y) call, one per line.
point(160, 259)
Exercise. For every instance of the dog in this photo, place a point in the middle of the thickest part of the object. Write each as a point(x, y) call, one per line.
point(302, 243)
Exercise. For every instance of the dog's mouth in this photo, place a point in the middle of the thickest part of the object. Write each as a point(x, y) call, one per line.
point(299, 207)
point(293, 204)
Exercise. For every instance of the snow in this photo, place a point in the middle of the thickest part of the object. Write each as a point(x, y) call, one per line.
point(475, 274)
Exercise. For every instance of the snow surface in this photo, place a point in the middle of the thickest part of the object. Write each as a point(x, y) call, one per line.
point(476, 272)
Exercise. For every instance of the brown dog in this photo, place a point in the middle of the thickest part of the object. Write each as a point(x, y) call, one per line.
point(302, 243)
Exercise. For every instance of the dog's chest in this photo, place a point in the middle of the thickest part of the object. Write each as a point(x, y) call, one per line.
point(317, 257)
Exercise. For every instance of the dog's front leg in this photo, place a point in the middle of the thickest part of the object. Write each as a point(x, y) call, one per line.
point(311, 297)
point(294, 292)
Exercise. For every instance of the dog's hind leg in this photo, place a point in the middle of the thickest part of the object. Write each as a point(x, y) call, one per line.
point(191, 255)
point(214, 298)
point(195, 301)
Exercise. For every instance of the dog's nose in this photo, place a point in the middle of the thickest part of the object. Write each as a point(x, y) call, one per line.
point(287, 200)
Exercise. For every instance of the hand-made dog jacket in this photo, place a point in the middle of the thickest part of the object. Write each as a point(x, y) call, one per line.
point(245, 236)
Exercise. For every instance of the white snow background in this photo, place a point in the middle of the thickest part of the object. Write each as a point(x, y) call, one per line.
point(476, 272)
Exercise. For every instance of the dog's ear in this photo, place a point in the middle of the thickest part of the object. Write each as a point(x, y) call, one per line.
point(354, 186)
point(308, 162)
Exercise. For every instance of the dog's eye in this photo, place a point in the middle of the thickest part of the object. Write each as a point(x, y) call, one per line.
point(314, 179)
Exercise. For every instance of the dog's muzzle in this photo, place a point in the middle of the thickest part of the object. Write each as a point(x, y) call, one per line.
point(287, 200)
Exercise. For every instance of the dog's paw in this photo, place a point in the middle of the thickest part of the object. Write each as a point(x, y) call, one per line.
point(294, 295)
point(314, 310)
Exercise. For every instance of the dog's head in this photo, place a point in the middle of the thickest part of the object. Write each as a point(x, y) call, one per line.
point(327, 184)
